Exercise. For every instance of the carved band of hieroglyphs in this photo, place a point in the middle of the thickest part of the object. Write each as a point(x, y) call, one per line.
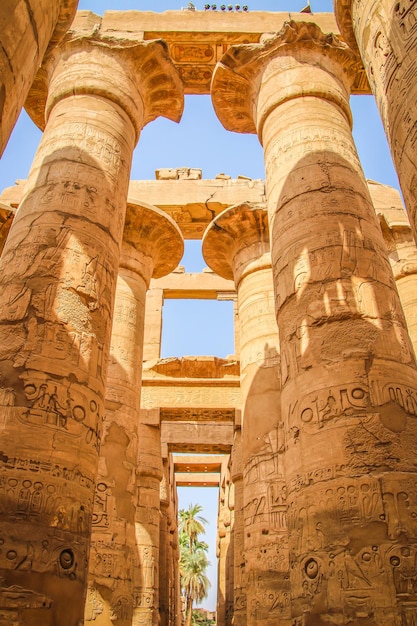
point(27, 497)
point(195, 53)
point(324, 405)
point(63, 408)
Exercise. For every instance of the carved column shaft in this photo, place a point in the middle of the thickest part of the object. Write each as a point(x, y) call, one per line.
point(239, 590)
point(236, 245)
point(386, 34)
point(58, 279)
point(147, 521)
point(346, 359)
point(224, 611)
point(27, 27)
point(152, 245)
point(402, 251)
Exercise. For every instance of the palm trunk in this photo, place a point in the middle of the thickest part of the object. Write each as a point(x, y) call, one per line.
point(189, 611)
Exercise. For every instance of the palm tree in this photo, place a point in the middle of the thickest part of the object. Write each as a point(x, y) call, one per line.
point(194, 581)
point(193, 558)
point(191, 523)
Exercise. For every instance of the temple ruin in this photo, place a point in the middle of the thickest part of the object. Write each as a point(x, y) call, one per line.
point(309, 429)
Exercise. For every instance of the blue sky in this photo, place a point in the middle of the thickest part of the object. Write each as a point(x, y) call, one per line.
point(200, 141)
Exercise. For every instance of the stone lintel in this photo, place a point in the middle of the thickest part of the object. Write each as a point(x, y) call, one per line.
point(204, 286)
point(196, 479)
point(203, 437)
point(198, 39)
point(194, 203)
point(190, 203)
point(195, 368)
point(198, 463)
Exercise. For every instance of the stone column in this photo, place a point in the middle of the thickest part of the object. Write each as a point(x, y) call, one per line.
point(239, 589)
point(149, 476)
point(386, 34)
point(153, 324)
point(402, 250)
point(349, 384)
point(27, 27)
point(236, 246)
point(165, 550)
point(224, 548)
point(58, 278)
point(152, 246)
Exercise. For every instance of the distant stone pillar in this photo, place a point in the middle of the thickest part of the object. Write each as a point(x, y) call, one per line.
point(386, 34)
point(236, 246)
point(349, 383)
point(152, 246)
point(6, 219)
point(153, 324)
point(224, 610)
point(402, 250)
point(147, 518)
point(58, 276)
point(27, 28)
point(165, 550)
point(239, 589)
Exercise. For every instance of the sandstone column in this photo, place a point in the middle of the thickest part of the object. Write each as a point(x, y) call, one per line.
point(147, 518)
point(224, 550)
point(349, 397)
point(236, 246)
point(58, 279)
point(169, 548)
point(165, 551)
point(402, 250)
point(239, 590)
point(27, 27)
point(386, 34)
point(152, 246)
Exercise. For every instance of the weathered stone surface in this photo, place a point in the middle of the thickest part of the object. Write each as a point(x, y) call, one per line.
point(386, 34)
point(402, 251)
point(236, 245)
point(58, 276)
point(346, 358)
point(152, 245)
point(335, 442)
point(6, 219)
point(27, 28)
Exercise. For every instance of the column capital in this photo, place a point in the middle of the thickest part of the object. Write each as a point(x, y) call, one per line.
point(301, 47)
point(236, 242)
point(152, 242)
point(67, 11)
point(139, 76)
point(343, 13)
